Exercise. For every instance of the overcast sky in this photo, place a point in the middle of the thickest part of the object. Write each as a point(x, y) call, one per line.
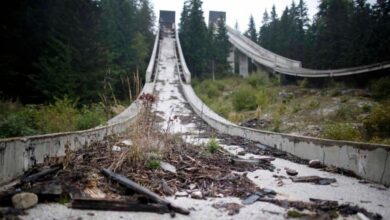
point(236, 10)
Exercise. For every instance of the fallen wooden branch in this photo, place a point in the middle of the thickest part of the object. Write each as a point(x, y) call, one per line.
point(122, 180)
point(239, 161)
point(113, 205)
point(313, 179)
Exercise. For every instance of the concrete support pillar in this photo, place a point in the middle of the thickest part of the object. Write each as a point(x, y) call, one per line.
point(231, 60)
point(243, 64)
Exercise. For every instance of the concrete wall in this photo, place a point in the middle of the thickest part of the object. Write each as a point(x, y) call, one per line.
point(185, 71)
point(153, 57)
point(370, 161)
point(17, 155)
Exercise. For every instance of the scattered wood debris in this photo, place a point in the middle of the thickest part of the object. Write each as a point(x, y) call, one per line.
point(313, 179)
point(323, 208)
point(143, 191)
point(117, 205)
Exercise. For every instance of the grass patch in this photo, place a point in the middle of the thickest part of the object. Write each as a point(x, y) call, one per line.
point(341, 131)
point(257, 80)
point(213, 145)
point(153, 164)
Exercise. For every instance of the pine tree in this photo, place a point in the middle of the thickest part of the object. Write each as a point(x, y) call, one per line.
point(273, 30)
point(146, 15)
point(264, 30)
point(251, 33)
point(381, 38)
point(303, 19)
point(332, 43)
point(360, 52)
point(222, 48)
point(195, 48)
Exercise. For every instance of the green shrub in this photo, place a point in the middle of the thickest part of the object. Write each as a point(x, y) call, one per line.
point(341, 131)
point(21, 123)
point(381, 88)
point(213, 145)
point(244, 99)
point(256, 80)
point(377, 124)
point(91, 116)
point(58, 117)
point(209, 88)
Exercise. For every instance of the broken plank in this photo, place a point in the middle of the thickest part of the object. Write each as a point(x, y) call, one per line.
point(43, 173)
point(238, 161)
point(313, 179)
point(115, 205)
point(142, 190)
point(134, 186)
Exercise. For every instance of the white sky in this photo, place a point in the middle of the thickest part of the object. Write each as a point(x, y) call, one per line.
point(236, 10)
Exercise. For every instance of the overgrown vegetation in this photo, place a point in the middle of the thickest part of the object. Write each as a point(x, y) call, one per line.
point(377, 124)
point(63, 115)
point(341, 131)
point(244, 99)
point(334, 111)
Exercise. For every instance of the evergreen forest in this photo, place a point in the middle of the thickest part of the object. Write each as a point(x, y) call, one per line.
point(82, 49)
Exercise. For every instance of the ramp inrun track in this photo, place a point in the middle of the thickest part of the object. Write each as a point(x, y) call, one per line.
point(291, 67)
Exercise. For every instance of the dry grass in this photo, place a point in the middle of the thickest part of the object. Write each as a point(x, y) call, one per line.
point(150, 145)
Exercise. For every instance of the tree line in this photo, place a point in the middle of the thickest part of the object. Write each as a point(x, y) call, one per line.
point(344, 33)
point(205, 48)
point(75, 48)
